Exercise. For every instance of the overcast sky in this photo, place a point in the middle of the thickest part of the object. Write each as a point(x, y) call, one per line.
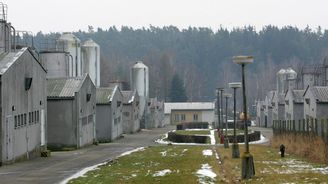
point(72, 15)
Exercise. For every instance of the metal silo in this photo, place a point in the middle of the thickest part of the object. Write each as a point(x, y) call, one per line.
point(140, 82)
point(70, 43)
point(291, 76)
point(281, 81)
point(91, 60)
point(56, 63)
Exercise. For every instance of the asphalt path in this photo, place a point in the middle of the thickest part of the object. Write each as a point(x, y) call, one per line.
point(64, 164)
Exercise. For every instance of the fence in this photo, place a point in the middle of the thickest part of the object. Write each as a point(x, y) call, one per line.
point(302, 126)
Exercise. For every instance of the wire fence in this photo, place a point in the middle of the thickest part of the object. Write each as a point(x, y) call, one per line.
point(302, 126)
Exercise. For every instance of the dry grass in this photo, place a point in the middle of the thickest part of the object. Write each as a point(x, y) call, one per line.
point(310, 147)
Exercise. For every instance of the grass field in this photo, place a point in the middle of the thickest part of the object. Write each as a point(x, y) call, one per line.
point(182, 164)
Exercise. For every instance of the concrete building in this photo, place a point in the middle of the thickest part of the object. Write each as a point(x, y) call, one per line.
point(109, 114)
point(155, 118)
point(294, 105)
point(316, 102)
point(189, 112)
point(71, 112)
point(23, 106)
point(131, 121)
point(259, 113)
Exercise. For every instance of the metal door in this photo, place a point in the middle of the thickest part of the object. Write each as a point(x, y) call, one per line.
point(9, 138)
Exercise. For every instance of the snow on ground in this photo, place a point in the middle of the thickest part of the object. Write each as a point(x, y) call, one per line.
point(163, 153)
point(261, 141)
point(162, 172)
point(292, 166)
point(212, 137)
point(82, 172)
point(184, 150)
point(207, 152)
point(196, 129)
point(206, 174)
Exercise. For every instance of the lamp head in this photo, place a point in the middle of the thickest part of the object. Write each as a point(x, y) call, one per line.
point(227, 95)
point(243, 59)
point(235, 85)
point(220, 89)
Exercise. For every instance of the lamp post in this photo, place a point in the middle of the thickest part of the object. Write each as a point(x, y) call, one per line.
point(248, 170)
point(218, 105)
point(221, 114)
point(235, 147)
point(226, 139)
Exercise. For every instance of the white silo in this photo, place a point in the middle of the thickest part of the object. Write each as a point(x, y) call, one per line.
point(56, 63)
point(91, 60)
point(291, 76)
point(140, 82)
point(281, 81)
point(70, 43)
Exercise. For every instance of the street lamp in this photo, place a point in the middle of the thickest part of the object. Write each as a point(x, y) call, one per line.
point(235, 147)
point(248, 170)
point(221, 114)
point(226, 139)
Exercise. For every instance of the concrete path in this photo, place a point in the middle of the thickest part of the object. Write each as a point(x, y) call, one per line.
point(266, 132)
point(63, 164)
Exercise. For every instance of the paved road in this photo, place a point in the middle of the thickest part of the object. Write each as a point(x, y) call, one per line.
point(63, 164)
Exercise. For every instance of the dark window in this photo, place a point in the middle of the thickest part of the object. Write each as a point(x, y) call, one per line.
point(16, 124)
point(24, 119)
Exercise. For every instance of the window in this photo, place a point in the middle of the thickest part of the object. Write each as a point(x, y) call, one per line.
point(183, 117)
point(307, 101)
point(37, 116)
point(176, 117)
point(24, 119)
point(195, 117)
point(16, 123)
point(29, 118)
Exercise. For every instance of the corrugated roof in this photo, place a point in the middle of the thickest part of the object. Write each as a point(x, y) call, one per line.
point(320, 93)
point(64, 87)
point(103, 95)
point(188, 106)
point(298, 96)
point(128, 96)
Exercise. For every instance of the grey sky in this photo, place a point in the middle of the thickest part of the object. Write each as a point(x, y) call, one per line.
point(72, 15)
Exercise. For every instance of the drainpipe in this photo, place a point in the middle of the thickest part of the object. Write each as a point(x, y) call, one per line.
point(14, 31)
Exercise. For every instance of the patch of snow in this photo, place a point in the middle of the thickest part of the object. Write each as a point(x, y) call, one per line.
point(82, 172)
point(134, 175)
point(132, 151)
point(206, 174)
point(162, 172)
point(207, 152)
point(184, 150)
point(212, 137)
point(163, 153)
point(196, 129)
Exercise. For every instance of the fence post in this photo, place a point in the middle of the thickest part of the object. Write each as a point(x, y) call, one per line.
point(307, 126)
point(316, 126)
point(294, 126)
point(303, 126)
point(323, 128)
point(326, 129)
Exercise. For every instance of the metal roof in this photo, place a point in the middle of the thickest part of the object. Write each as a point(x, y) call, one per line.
point(128, 96)
point(103, 95)
point(188, 106)
point(64, 87)
point(320, 93)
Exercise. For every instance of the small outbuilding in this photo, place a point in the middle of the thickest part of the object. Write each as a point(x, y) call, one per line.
point(316, 103)
point(23, 106)
point(131, 121)
point(268, 109)
point(71, 112)
point(294, 105)
point(109, 113)
point(155, 118)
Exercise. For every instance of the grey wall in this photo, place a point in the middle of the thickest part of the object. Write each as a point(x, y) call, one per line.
point(103, 125)
point(23, 141)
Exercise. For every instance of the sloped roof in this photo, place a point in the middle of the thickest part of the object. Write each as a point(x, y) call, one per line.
point(320, 93)
point(188, 106)
point(103, 95)
point(64, 87)
point(298, 96)
point(8, 59)
point(128, 96)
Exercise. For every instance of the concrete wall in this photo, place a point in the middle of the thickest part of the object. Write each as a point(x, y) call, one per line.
point(117, 122)
point(311, 107)
point(104, 125)
point(24, 141)
point(203, 115)
point(62, 124)
point(130, 117)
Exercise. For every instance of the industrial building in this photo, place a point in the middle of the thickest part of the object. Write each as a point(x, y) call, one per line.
point(130, 115)
point(260, 112)
point(23, 98)
point(268, 109)
point(109, 114)
point(316, 102)
point(294, 105)
point(71, 112)
point(189, 112)
point(140, 82)
point(155, 117)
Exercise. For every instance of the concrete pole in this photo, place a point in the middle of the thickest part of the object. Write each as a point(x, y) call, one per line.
point(235, 146)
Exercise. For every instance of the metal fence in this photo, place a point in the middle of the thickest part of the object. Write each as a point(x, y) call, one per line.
point(303, 126)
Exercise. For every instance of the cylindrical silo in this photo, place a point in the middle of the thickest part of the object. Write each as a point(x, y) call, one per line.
point(291, 76)
point(56, 63)
point(91, 60)
point(140, 82)
point(70, 43)
point(281, 81)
